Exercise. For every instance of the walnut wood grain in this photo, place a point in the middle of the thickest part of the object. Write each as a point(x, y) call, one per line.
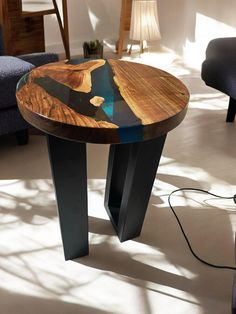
point(76, 77)
point(102, 102)
point(153, 95)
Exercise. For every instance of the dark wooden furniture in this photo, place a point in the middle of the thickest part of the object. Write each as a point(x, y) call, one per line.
point(23, 32)
point(20, 35)
point(128, 105)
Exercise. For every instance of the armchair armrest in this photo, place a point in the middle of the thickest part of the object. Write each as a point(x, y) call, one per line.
point(221, 47)
point(40, 58)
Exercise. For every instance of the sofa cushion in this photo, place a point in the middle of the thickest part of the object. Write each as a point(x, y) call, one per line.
point(11, 121)
point(11, 70)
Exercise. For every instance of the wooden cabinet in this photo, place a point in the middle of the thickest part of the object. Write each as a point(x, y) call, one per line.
point(21, 34)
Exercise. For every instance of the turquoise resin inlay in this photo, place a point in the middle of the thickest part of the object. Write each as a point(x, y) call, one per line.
point(114, 106)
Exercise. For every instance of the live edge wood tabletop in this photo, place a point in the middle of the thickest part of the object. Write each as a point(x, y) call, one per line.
point(109, 102)
point(102, 101)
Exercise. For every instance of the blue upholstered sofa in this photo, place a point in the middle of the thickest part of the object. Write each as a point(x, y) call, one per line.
point(11, 70)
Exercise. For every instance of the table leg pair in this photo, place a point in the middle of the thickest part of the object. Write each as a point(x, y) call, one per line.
point(131, 173)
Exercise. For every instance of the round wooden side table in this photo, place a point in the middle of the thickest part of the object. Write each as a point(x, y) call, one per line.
point(128, 105)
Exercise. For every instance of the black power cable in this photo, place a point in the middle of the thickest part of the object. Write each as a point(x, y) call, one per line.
point(182, 229)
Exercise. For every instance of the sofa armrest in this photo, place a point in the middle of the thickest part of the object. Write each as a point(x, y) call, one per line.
point(40, 58)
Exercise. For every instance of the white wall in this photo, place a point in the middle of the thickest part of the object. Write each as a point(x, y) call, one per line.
point(88, 20)
point(186, 25)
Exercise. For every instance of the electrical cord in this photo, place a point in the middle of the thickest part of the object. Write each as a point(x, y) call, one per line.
point(182, 229)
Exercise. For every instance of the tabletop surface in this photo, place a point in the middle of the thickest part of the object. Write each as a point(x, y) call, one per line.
point(102, 101)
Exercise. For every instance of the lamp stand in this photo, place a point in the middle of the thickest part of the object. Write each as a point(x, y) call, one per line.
point(141, 46)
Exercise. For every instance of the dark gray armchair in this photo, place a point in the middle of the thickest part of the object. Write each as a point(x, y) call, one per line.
point(11, 70)
point(219, 70)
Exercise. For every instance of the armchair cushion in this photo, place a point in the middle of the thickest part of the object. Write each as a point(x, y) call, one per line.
point(219, 70)
point(220, 73)
point(11, 70)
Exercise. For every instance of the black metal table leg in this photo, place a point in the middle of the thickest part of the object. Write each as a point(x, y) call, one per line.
point(131, 173)
point(68, 164)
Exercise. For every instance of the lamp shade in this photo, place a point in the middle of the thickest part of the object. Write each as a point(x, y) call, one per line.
point(144, 20)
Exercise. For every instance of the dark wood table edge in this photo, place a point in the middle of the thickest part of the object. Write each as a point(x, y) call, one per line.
point(103, 136)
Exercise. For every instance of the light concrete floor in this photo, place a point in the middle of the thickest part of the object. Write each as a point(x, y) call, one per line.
point(152, 274)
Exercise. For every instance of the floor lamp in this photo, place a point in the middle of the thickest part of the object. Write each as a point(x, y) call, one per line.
point(144, 22)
